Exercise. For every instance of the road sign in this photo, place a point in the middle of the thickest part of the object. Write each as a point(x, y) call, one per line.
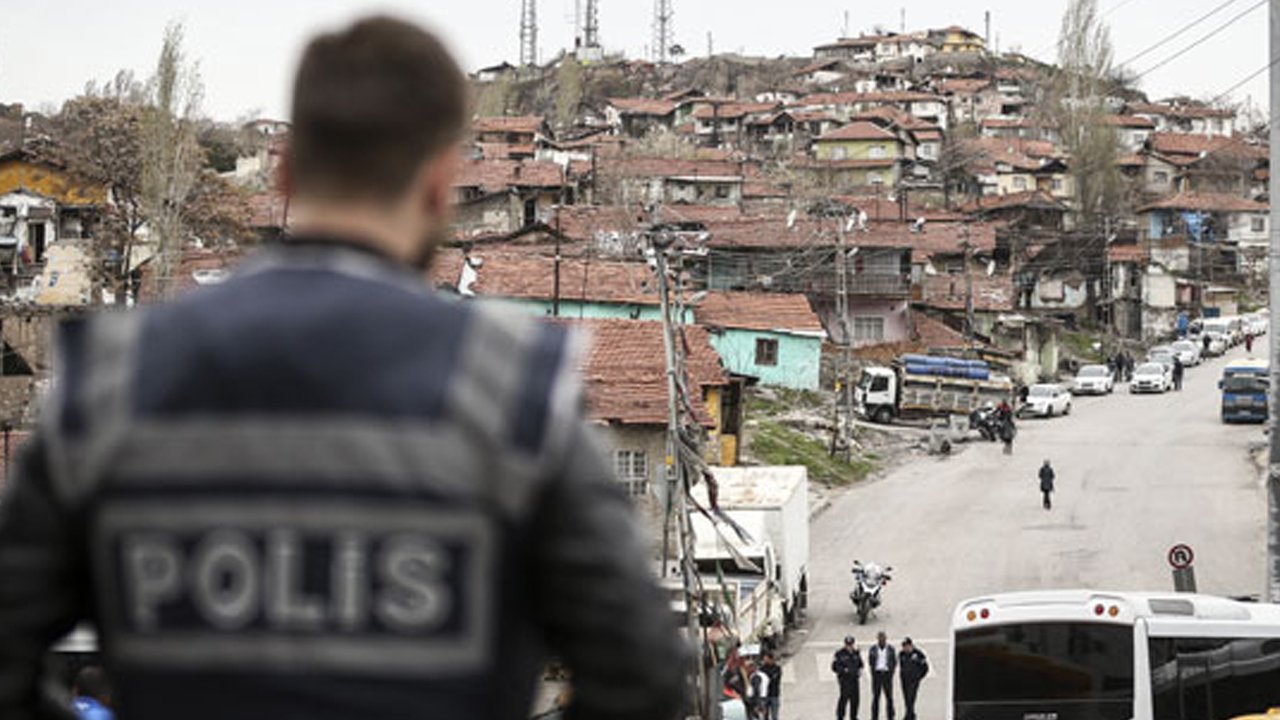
point(1181, 556)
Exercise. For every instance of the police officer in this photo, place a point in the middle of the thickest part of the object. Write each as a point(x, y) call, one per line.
point(319, 489)
point(912, 667)
point(847, 666)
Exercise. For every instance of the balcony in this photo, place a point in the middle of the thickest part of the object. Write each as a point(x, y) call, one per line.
point(892, 285)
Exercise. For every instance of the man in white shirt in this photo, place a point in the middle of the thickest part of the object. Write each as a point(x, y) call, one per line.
point(884, 661)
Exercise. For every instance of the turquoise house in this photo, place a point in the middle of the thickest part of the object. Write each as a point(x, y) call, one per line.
point(775, 338)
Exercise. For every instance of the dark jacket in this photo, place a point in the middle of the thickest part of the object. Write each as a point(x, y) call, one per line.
point(1046, 478)
point(318, 485)
point(774, 672)
point(873, 653)
point(847, 666)
point(914, 666)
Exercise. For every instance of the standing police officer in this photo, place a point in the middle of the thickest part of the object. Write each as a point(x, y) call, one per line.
point(847, 665)
point(317, 489)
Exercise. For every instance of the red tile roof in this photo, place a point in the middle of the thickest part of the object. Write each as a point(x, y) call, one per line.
point(266, 210)
point(963, 86)
point(513, 124)
point(1032, 199)
point(195, 268)
point(1173, 144)
point(499, 175)
point(732, 111)
point(881, 209)
point(530, 276)
point(1180, 111)
point(758, 311)
point(860, 130)
point(1130, 121)
point(816, 164)
point(654, 167)
point(1022, 123)
point(624, 370)
point(643, 106)
point(1127, 253)
point(1207, 202)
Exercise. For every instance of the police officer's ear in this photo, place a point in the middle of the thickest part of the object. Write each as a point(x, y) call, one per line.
point(433, 184)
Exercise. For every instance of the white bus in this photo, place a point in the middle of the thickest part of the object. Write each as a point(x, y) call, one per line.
point(1076, 654)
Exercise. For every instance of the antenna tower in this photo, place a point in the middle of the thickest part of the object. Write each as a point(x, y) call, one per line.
point(591, 25)
point(528, 32)
point(663, 30)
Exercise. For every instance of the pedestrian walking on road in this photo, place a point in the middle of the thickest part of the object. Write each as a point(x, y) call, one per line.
point(884, 661)
point(773, 703)
point(1046, 484)
point(1205, 341)
point(913, 667)
point(1178, 370)
point(847, 666)
point(1248, 342)
point(757, 699)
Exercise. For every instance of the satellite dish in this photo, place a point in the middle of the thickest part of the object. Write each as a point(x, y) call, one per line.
point(791, 219)
point(991, 268)
point(929, 269)
point(851, 223)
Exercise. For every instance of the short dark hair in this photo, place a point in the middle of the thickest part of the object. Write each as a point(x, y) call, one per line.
point(370, 104)
point(91, 681)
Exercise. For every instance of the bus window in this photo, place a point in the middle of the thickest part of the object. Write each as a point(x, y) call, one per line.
point(1213, 678)
point(1060, 669)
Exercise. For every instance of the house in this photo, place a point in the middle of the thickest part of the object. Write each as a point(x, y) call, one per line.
point(1187, 118)
point(1208, 164)
point(1020, 127)
point(774, 338)
point(821, 72)
point(1132, 131)
point(789, 131)
point(878, 155)
point(970, 100)
point(496, 196)
point(637, 117)
point(998, 166)
point(859, 49)
point(956, 40)
point(671, 181)
point(624, 376)
point(768, 254)
point(1239, 227)
point(494, 73)
point(1028, 210)
point(725, 124)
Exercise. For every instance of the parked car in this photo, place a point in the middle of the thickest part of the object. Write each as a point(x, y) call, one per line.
point(1163, 355)
point(1047, 400)
point(1093, 379)
point(1151, 377)
point(1188, 352)
point(1217, 343)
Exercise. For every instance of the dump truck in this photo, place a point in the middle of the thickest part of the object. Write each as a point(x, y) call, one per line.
point(926, 386)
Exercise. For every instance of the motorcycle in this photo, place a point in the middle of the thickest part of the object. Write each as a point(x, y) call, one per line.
point(986, 420)
point(868, 582)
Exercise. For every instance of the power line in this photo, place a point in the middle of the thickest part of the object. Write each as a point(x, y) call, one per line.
point(1245, 80)
point(1178, 33)
point(1199, 41)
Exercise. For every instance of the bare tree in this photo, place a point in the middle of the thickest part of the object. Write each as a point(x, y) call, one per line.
point(1085, 57)
point(171, 155)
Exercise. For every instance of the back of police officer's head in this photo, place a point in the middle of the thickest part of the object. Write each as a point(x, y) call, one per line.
point(92, 682)
point(379, 108)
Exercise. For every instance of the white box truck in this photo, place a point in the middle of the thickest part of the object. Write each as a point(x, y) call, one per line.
point(771, 505)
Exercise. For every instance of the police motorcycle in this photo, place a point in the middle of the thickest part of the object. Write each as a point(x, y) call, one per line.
point(868, 582)
point(986, 420)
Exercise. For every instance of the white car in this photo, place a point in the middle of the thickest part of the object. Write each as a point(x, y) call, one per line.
point(1187, 351)
point(1151, 377)
point(1047, 400)
point(1217, 344)
point(1093, 379)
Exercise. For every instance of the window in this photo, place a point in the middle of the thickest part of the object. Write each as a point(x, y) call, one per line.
point(838, 153)
point(722, 192)
point(1258, 224)
point(632, 467)
point(1213, 678)
point(1057, 184)
point(877, 152)
point(875, 179)
point(868, 329)
point(1161, 177)
point(766, 352)
point(1019, 183)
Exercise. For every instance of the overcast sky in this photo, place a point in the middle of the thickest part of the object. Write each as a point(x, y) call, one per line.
point(248, 48)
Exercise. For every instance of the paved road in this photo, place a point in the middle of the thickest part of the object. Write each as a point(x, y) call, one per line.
point(1136, 474)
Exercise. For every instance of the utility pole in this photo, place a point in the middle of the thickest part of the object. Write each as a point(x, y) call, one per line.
point(663, 29)
point(528, 33)
point(844, 394)
point(1273, 271)
point(969, 320)
point(661, 242)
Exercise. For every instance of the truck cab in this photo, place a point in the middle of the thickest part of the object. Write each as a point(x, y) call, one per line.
point(876, 396)
point(1245, 385)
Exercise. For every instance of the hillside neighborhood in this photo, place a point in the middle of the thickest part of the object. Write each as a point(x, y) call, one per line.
point(891, 193)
